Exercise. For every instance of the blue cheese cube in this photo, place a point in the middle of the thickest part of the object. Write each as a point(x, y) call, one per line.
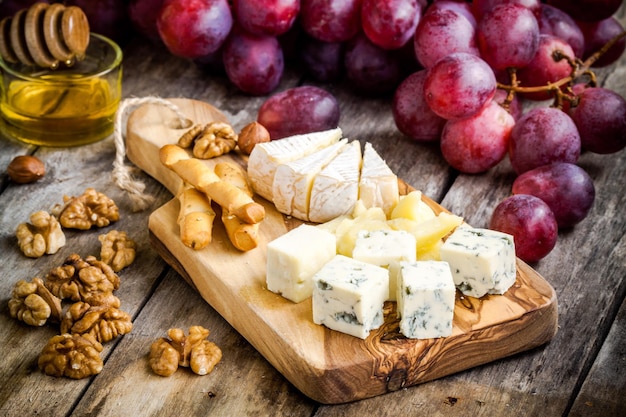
point(482, 261)
point(349, 295)
point(425, 299)
point(385, 248)
point(293, 259)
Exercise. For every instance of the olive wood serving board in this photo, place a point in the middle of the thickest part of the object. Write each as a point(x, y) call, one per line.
point(328, 366)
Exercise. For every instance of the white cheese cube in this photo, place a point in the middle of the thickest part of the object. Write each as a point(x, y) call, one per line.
point(349, 295)
point(266, 157)
point(385, 248)
point(335, 189)
point(293, 259)
point(481, 260)
point(426, 294)
point(378, 186)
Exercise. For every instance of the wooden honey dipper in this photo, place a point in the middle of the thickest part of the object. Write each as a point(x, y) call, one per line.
point(45, 35)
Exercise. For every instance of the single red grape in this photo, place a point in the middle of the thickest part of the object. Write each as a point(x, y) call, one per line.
point(544, 69)
point(390, 23)
point(331, 20)
point(477, 143)
point(411, 113)
point(370, 69)
point(530, 221)
point(253, 63)
point(459, 85)
point(597, 34)
point(480, 7)
point(543, 135)
point(143, 15)
point(299, 110)
point(266, 17)
point(508, 36)
point(600, 117)
point(566, 188)
point(322, 60)
point(441, 32)
point(194, 28)
point(553, 21)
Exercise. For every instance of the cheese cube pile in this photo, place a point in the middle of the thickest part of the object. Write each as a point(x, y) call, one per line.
point(385, 248)
point(482, 261)
point(293, 259)
point(348, 296)
point(425, 299)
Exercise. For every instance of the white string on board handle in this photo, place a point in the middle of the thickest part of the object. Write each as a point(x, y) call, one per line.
point(121, 172)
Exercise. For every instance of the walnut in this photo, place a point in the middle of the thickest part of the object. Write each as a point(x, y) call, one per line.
point(33, 303)
point(88, 280)
point(163, 357)
point(118, 250)
point(189, 351)
point(104, 323)
point(210, 141)
point(92, 208)
point(73, 356)
point(43, 235)
point(204, 357)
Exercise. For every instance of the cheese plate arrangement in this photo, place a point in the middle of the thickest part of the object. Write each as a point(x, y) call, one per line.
point(327, 365)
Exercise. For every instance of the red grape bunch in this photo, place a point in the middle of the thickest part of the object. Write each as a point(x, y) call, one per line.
point(457, 73)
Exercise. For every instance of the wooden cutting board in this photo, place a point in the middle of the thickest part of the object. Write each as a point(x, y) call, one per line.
point(328, 366)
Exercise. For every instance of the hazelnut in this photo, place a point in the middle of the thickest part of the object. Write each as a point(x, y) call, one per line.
point(250, 135)
point(25, 169)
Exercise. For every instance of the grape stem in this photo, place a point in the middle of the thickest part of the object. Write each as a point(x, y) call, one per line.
point(579, 69)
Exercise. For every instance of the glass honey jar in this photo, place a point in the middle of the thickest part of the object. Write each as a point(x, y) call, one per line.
point(67, 106)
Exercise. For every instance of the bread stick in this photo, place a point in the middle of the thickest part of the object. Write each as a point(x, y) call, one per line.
point(234, 174)
point(243, 236)
point(195, 218)
point(201, 176)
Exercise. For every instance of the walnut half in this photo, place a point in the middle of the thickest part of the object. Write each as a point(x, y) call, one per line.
point(104, 323)
point(87, 280)
point(43, 235)
point(71, 355)
point(92, 208)
point(210, 141)
point(118, 250)
point(33, 303)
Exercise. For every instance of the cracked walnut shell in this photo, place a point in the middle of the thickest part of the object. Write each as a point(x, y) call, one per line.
point(33, 303)
point(88, 280)
point(71, 355)
point(43, 235)
point(104, 323)
point(118, 250)
point(92, 208)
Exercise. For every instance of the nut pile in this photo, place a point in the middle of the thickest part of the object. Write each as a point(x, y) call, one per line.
point(219, 138)
point(44, 234)
point(93, 316)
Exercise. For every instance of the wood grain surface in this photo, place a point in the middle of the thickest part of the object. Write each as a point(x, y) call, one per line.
point(326, 365)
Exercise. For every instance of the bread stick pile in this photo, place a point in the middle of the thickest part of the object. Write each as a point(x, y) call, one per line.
point(227, 186)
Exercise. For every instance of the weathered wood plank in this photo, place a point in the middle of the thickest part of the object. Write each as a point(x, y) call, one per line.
point(604, 389)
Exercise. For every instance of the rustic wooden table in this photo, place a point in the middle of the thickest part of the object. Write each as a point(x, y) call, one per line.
point(580, 372)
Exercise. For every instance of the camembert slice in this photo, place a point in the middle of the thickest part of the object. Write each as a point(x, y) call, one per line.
point(293, 180)
point(266, 157)
point(335, 189)
point(378, 186)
